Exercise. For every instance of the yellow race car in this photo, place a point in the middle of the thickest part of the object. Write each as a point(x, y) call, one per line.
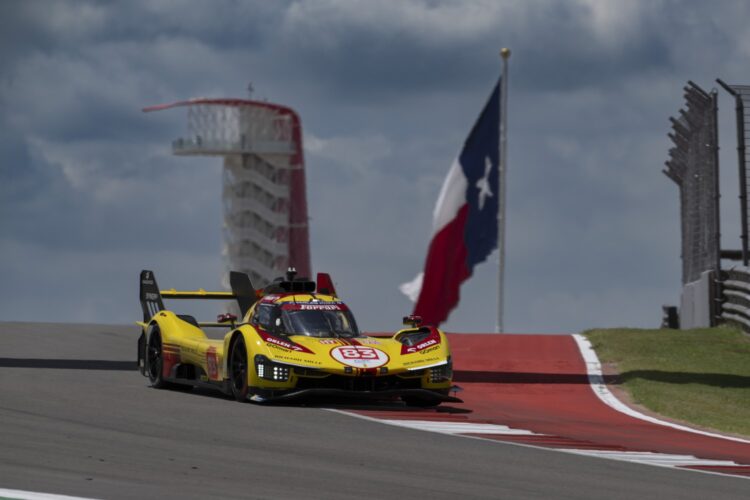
point(296, 339)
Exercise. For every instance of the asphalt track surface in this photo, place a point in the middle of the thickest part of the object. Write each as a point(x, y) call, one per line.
point(76, 418)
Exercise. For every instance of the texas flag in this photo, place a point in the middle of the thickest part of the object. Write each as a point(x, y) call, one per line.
point(464, 221)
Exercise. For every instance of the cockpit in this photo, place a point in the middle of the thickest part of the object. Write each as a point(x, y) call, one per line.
point(322, 320)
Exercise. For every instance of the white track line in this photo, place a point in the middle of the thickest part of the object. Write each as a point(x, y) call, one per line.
point(459, 427)
point(32, 495)
point(650, 458)
point(596, 381)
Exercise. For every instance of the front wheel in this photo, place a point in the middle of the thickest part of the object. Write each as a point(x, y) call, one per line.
point(238, 369)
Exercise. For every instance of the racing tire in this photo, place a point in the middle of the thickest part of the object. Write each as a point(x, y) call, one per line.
point(155, 361)
point(142, 354)
point(238, 369)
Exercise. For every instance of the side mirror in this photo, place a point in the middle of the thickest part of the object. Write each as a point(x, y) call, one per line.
point(412, 321)
point(226, 318)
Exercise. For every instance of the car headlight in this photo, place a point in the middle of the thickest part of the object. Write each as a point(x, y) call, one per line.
point(269, 370)
point(442, 373)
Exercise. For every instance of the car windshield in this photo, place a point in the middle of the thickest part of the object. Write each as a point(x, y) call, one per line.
point(319, 323)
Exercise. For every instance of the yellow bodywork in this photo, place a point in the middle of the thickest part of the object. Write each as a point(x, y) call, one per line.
point(307, 357)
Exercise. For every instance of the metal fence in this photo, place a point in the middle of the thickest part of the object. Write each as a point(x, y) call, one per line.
point(741, 94)
point(736, 281)
point(694, 166)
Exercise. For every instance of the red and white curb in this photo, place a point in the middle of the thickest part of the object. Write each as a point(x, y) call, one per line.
point(596, 381)
point(497, 432)
point(6, 494)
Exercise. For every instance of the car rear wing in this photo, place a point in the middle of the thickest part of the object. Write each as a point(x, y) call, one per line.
point(151, 297)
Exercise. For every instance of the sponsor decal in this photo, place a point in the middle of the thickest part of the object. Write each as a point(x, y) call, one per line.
point(170, 356)
point(314, 306)
point(278, 347)
point(319, 307)
point(212, 364)
point(279, 342)
point(432, 340)
point(329, 341)
point(301, 362)
point(171, 353)
point(359, 356)
point(422, 361)
point(369, 342)
point(151, 296)
point(431, 349)
point(430, 360)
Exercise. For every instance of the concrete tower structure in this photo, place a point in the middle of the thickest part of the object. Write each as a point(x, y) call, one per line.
point(265, 204)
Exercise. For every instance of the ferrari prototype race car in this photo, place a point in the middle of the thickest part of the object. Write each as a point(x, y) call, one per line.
point(296, 339)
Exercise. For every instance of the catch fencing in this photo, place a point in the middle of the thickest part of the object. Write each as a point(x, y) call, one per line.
point(736, 281)
point(693, 165)
point(741, 94)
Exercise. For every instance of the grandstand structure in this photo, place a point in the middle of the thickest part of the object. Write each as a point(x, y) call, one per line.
point(264, 192)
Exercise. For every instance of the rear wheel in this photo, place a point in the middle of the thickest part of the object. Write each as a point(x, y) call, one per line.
point(238, 369)
point(155, 360)
point(142, 354)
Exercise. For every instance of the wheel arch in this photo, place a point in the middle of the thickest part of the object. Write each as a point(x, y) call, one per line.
point(229, 341)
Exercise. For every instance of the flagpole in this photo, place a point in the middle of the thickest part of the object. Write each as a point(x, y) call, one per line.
point(502, 171)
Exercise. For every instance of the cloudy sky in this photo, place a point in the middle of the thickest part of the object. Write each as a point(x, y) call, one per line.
point(387, 91)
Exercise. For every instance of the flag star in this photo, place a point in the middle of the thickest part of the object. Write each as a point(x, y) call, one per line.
point(484, 183)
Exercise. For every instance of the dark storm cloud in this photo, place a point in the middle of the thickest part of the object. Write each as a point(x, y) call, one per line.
point(64, 24)
point(385, 61)
point(565, 55)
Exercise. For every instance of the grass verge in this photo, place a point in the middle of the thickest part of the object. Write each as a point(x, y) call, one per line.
point(699, 376)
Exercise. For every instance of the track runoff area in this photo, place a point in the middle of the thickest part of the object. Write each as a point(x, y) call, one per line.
point(548, 391)
point(77, 419)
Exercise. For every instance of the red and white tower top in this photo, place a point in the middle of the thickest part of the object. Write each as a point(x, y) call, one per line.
point(265, 202)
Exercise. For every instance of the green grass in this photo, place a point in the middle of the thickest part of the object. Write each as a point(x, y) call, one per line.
point(699, 376)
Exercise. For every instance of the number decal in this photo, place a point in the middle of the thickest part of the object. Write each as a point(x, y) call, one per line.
point(349, 353)
point(358, 353)
point(368, 353)
point(359, 356)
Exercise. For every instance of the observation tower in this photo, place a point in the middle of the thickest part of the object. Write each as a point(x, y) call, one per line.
point(265, 205)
